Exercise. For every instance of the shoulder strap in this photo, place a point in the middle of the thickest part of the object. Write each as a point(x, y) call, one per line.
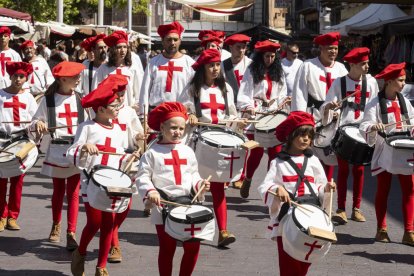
point(403, 106)
point(90, 75)
point(343, 87)
point(314, 103)
point(51, 111)
point(81, 113)
point(364, 93)
point(230, 77)
point(383, 107)
point(226, 102)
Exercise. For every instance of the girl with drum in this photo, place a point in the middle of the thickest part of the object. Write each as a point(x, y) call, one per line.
point(283, 184)
point(264, 81)
point(58, 114)
point(387, 124)
point(360, 87)
point(16, 105)
point(170, 168)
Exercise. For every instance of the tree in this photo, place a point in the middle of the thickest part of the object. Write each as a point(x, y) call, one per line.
point(137, 5)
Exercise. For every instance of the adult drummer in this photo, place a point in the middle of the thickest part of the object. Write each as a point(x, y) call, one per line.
point(373, 127)
point(350, 112)
point(16, 106)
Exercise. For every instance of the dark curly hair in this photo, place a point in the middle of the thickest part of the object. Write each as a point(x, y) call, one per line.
point(199, 80)
point(112, 57)
point(258, 68)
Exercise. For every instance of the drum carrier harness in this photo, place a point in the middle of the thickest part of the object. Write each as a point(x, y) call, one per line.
point(353, 105)
point(231, 78)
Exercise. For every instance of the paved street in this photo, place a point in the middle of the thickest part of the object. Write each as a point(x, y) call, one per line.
point(27, 252)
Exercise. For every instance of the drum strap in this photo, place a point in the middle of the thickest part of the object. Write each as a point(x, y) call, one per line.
point(197, 105)
point(353, 105)
point(90, 75)
point(51, 109)
point(383, 106)
point(230, 77)
point(314, 103)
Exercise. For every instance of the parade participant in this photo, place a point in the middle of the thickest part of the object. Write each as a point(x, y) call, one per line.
point(216, 102)
point(315, 77)
point(352, 112)
point(155, 178)
point(120, 62)
point(97, 55)
point(93, 136)
point(205, 34)
point(6, 54)
point(58, 115)
point(291, 64)
point(15, 105)
point(297, 131)
point(264, 80)
point(390, 106)
point(168, 73)
point(211, 42)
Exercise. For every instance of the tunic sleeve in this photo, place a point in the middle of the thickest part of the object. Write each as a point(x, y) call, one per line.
point(74, 153)
point(245, 95)
point(144, 175)
point(300, 90)
point(370, 119)
point(269, 184)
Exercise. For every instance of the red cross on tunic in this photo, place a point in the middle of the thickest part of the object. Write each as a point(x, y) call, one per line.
point(269, 86)
point(214, 106)
point(312, 247)
point(32, 80)
point(68, 115)
point(114, 200)
point(328, 79)
point(118, 71)
point(238, 77)
point(3, 60)
point(192, 230)
point(176, 162)
point(395, 108)
point(107, 148)
point(122, 126)
point(357, 97)
point(170, 72)
point(231, 157)
point(16, 105)
point(294, 178)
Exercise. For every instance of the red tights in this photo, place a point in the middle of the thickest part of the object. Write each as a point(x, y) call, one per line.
point(343, 173)
point(289, 266)
point(12, 208)
point(119, 219)
point(219, 204)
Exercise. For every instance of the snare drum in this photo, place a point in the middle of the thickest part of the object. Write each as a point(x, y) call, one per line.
point(219, 154)
point(56, 153)
point(296, 241)
point(109, 189)
point(264, 132)
point(193, 223)
point(397, 156)
point(349, 144)
point(19, 156)
point(322, 143)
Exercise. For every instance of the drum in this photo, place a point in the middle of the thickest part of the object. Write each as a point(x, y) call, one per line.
point(397, 156)
point(193, 223)
point(219, 154)
point(38, 98)
point(109, 189)
point(322, 143)
point(296, 240)
point(264, 132)
point(349, 144)
point(56, 153)
point(17, 157)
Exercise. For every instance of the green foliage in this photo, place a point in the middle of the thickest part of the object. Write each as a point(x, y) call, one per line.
point(137, 5)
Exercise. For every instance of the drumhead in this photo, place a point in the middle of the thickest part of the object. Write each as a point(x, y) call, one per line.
point(318, 218)
point(111, 178)
point(270, 122)
point(354, 133)
point(179, 214)
point(224, 139)
point(14, 147)
point(401, 142)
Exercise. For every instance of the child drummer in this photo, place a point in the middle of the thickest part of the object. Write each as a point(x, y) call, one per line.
point(170, 168)
point(16, 106)
point(297, 131)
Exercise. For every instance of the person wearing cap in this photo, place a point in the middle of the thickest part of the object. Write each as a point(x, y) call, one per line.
point(55, 122)
point(16, 105)
point(263, 84)
point(93, 141)
point(97, 55)
point(157, 181)
point(297, 131)
point(120, 62)
point(291, 64)
point(42, 77)
point(168, 73)
point(350, 112)
point(218, 42)
point(313, 80)
point(390, 106)
point(6, 54)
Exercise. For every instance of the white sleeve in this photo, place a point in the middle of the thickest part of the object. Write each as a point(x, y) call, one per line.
point(145, 89)
point(245, 95)
point(48, 75)
point(269, 184)
point(320, 177)
point(136, 127)
point(333, 96)
point(300, 90)
point(196, 178)
point(74, 153)
point(370, 119)
point(98, 77)
point(136, 86)
point(187, 100)
point(144, 175)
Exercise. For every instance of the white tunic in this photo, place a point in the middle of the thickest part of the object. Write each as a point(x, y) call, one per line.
point(290, 68)
point(225, 54)
point(239, 69)
point(41, 78)
point(83, 86)
point(130, 124)
point(171, 168)
point(7, 56)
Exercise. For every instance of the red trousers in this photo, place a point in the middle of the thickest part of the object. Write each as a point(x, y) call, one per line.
point(343, 173)
point(219, 204)
point(329, 171)
point(71, 186)
point(381, 198)
point(289, 266)
point(12, 208)
point(119, 219)
point(167, 250)
point(95, 220)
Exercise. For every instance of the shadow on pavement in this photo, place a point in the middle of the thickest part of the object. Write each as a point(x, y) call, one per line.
point(347, 239)
point(30, 272)
point(147, 239)
point(385, 258)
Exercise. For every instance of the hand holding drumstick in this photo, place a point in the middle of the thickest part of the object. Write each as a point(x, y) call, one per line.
point(204, 186)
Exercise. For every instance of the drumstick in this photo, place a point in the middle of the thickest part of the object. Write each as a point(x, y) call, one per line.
point(16, 122)
point(7, 152)
point(201, 189)
point(129, 165)
point(174, 203)
point(110, 153)
point(208, 124)
point(391, 124)
point(57, 127)
point(292, 202)
point(344, 99)
point(238, 120)
point(145, 128)
point(330, 200)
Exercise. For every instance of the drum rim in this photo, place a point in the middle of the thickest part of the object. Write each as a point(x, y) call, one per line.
point(101, 168)
point(229, 131)
point(185, 221)
point(15, 139)
point(299, 225)
point(388, 140)
point(264, 116)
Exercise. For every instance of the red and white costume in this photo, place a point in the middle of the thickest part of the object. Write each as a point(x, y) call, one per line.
point(240, 69)
point(290, 68)
point(84, 84)
point(41, 78)
point(7, 56)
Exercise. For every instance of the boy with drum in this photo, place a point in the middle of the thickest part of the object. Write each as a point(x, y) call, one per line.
point(389, 115)
point(359, 87)
point(169, 168)
point(283, 184)
point(16, 106)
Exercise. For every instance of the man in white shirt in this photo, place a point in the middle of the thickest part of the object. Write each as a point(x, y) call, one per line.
point(290, 65)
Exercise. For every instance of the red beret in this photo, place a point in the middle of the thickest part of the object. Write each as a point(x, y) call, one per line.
point(357, 55)
point(220, 34)
point(5, 30)
point(392, 71)
point(164, 112)
point(206, 57)
point(116, 38)
point(103, 95)
point(210, 39)
point(67, 69)
point(205, 33)
point(89, 43)
point(23, 68)
point(175, 27)
point(292, 122)
point(120, 82)
point(27, 43)
point(266, 46)
point(327, 39)
point(237, 38)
